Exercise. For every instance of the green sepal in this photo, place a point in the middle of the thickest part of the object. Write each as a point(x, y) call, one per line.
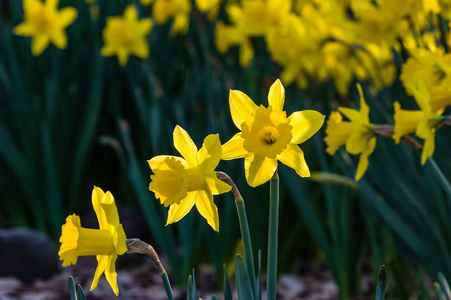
point(227, 289)
point(381, 283)
point(243, 283)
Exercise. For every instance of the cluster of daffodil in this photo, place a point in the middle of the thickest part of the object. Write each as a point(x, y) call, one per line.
point(425, 76)
point(332, 39)
point(267, 136)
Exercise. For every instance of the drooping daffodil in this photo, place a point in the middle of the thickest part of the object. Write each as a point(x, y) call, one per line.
point(106, 243)
point(268, 135)
point(126, 35)
point(423, 122)
point(357, 133)
point(45, 24)
point(181, 183)
point(178, 10)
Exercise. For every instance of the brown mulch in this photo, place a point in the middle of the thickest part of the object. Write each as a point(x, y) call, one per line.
point(138, 279)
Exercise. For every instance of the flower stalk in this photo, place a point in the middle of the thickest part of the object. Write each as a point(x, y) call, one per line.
point(271, 280)
point(139, 247)
point(244, 228)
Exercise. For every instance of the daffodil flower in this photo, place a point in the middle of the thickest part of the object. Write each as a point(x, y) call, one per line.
point(181, 183)
point(45, 24)
point(126, 35)
point(106, 243)
point(423, 122)
point(268, 135)
point(356, 134)
point(178, 10)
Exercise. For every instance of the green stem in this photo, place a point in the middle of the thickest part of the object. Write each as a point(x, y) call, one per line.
point(271, 277)
point(244, 228)
point(440, 176)
point(167, 285)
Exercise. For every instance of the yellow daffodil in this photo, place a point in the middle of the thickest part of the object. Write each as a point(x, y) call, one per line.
point(268, 135)
point(106, 243)
point(179, 10)
point(227, 36)
point(126, 35)
point(45, 24)
point(423, 122)
point(211, 7)
point(181, 183)
point(356, 134)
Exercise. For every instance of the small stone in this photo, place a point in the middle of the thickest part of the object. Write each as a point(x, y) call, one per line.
point(27, 254)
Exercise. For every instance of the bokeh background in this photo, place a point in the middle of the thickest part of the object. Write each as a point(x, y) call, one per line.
point(71, 119)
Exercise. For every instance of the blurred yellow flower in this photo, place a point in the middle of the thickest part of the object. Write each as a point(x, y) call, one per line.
point(356, 134)
point(179, 10)
point(211, 7)
point(268, 135)
point(106, 243)
point(227, 36)
point(423, 122)
point(125, 36)
point(45, 24)
point(181, 183)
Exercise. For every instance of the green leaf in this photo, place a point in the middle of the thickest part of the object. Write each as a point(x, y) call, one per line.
point(444, 286)
point(189, 292)
point(71, 284)
point(243, 283)
point(80, 293)
point(381, 283)
point(332, 178)
point(227, 290)
point(259, 281)
point(213, 297)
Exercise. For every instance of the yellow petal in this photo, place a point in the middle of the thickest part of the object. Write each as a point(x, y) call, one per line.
point(185, 146)
point(207, 208)
point(97, 196)
point(305, 124)
point(130, 13)
point(59, 38)
point(428, 149)
point(178, 211)
point(24, 29)
point(259, 169)
point(364, 109)
point(234, 148)
point(362, 166)
point(66, 16)
point(38, 44)
point(215, 185)
point(155, 162)
point(240, 107)
point(102, 263)
point(358, 140)
point(293, 157)
point(352, 114)
point(209, 155)
point(110, 209)
point(276, 95)
point(110, 273)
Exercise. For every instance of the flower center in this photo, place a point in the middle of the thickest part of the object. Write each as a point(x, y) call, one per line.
point(170, 182)
point(266, 132)
point(196, 179)
point(95, 242)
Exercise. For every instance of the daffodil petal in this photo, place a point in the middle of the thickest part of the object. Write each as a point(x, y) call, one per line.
point(259, 169)
point(59, 38)
point(209, 155)
point(352, 114)
point(38, 44)
point(428, 149)
point(102, 263)
point(234, 148)
point(293, 157)
point(276, 95)
point(155, 162)
point(305, 124)
point(207, 208)
point(185, 146)
point(110, 209)
point(358, 140)
point(24, 29)
point(110, 273)
point(66, 16)
point(364, 108)
point(240, 107)
point(215, 185)
point(97, 196)
point(178, 211)
point(362, 166)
